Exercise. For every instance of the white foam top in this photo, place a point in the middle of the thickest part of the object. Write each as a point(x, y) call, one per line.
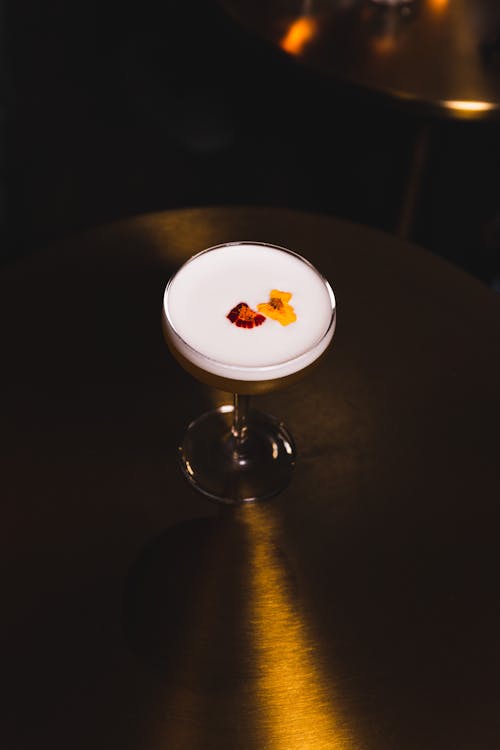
point(204, 290)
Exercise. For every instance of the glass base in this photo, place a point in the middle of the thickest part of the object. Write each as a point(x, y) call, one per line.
point(214, 464)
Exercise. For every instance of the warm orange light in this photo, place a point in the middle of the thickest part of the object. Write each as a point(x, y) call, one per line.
point(383, 45)
point(300, 32)
point(438, 5)
point(468, 106)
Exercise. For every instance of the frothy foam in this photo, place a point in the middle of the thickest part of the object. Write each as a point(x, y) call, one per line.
point(204, 290)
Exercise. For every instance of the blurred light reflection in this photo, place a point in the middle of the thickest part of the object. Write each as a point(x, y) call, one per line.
point(383, 45)
point(299, 34)
point(438, 5)
point(468, 106)
point(299, 702)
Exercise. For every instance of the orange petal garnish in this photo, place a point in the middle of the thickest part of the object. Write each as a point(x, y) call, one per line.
point(244, 317)
point(278, 308)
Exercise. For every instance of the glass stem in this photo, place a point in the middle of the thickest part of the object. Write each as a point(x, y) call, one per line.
point(239, 426)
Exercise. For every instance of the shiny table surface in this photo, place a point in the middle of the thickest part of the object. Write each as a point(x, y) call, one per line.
point(359, 609)
point(442, 56)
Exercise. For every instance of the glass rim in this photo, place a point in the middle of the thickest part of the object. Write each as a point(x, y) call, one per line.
point(252, 368)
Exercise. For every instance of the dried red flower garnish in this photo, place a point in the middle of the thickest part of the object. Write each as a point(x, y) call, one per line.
point(244, 317)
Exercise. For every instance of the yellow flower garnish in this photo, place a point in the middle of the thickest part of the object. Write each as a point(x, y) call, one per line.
point(278, 308)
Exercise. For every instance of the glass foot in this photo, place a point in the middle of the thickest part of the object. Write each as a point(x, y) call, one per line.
point(231, 471)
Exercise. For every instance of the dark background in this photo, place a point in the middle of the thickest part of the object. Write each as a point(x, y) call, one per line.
point(110, 110)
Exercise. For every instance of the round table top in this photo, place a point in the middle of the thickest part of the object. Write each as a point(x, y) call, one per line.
point(442, 56)
point(358, 609)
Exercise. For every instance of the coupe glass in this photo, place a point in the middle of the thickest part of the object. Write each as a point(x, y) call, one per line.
point(247, 318)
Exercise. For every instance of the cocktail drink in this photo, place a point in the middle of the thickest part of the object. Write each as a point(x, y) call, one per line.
point(248, 318)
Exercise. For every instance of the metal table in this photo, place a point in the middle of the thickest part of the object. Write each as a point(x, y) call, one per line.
point(433, 57)
point(442, 56)
point(358, 609)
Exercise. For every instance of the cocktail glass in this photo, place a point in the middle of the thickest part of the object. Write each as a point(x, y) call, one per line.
point(235, 454)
